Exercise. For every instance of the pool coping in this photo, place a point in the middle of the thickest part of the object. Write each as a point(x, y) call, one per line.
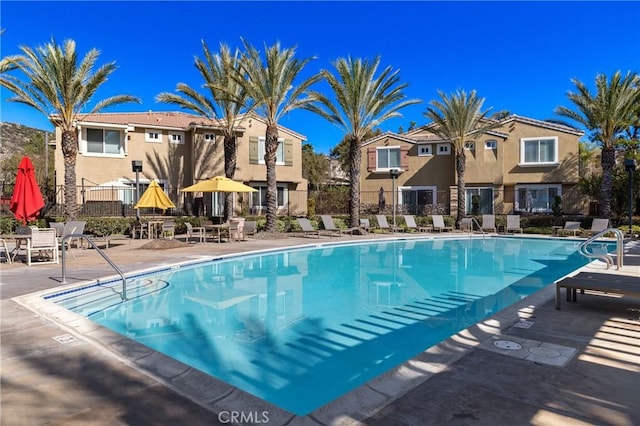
point(217, 396)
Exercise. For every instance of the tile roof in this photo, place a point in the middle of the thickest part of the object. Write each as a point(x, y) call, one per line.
point(176, 120)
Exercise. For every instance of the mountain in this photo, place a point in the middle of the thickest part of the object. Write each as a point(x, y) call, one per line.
point(17, 141)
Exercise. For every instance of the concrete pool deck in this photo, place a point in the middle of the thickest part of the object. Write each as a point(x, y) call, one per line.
point(92, 376)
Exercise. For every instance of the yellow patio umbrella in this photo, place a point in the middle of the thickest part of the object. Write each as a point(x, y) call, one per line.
point(219, 184)
point(154, 197)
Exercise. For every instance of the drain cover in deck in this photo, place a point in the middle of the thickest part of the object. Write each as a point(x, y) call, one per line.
point(507, 344)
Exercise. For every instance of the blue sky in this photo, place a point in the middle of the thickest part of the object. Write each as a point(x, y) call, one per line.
point(520, 56)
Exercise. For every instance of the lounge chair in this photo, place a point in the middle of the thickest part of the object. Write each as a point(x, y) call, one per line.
point(466, 224)
point(307, 228)
point(438, 223)
point(195, 231)
point(365, 225)
point(410, 220)
point(383, 225)
point(513, 223)
point(44, 242)
point(327, 221)
point(598, 225)
point(570, 227)
point(489, 222)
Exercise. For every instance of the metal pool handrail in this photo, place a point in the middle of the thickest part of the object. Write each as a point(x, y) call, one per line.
point(582, 248)
point(100, 252)
point(473, 219)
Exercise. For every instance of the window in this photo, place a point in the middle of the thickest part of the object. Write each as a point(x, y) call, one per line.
point(279, 151)
point(470, 146)
point(259, 199)
point(479, 201)
point(388, 158)
point(102, 141)
point(536, 198)
point(536, 151)
point(491, 144)
point(443, 149)
point(415, 198)
point(209, 137)
point(424, 150)
point(177, 138)
point(151, 135)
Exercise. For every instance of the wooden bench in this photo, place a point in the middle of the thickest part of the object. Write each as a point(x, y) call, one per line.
point(606, 283)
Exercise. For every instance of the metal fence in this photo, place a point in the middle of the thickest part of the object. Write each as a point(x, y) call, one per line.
point(97, 201)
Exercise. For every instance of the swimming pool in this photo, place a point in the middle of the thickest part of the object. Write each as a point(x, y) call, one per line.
point(299, 328)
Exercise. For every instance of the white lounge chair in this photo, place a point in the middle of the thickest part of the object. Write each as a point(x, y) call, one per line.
point(597, 225)
point(466, 224)
point(410, 220)
point(570, 227)
point(489, 222)
point(365, 225)
point(513, 223)
point(383, 225)
point(327, 222)
point(438, 223)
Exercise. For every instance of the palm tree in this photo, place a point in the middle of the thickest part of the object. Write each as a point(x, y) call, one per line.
point(363, 101)
point(607, 114)
point(228, 99)
point(270, 85)
point(59, 86)
point(458, 118)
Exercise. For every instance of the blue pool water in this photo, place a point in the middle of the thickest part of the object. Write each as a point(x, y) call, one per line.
point(300, 328)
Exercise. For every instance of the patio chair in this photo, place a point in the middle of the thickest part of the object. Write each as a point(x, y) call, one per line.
point(513, 223)
point(139, 230)
point(44, 242)
point(306, 226)
point(195, 231)
point(438, 223)
point(5, 250)
point(598, 225)
point(73, 227)
point(570, 227)
point(168, 229)
point(365, 225)
point(489, 222)
point(250, 228)
point(383, 225)
point(327, 221)
point(410, 220)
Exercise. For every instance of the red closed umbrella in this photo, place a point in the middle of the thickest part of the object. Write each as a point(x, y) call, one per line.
point(27, 200)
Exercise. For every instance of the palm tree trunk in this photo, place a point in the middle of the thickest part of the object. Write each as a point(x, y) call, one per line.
point(355, 158)
point(229, 171)
point(70, 153)
point(461, 161)
point(271, 146)
point(607, 160)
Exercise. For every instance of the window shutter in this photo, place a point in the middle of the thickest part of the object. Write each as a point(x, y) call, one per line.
point(253, 150)
point(404, 158)
point(371, 158)
point(288, 152)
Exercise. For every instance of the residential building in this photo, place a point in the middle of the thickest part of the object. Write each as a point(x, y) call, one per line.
point(179, 149)
point(520, 167)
